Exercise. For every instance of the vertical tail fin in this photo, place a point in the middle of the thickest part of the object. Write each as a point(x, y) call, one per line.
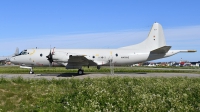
point(155, 40)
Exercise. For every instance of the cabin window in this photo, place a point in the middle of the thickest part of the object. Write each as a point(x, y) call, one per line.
point(24, 52)
point(40, 55)
point(116, 54)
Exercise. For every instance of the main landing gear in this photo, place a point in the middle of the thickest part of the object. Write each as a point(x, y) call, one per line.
point(80, 72)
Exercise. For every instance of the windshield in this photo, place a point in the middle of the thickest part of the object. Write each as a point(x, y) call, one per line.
point(24, 52)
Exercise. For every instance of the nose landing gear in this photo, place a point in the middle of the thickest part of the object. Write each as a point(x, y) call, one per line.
point(31, 69)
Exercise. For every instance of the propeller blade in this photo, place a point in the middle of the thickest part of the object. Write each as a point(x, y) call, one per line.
point(50, 58)
point(17, 51)
point(50, 64)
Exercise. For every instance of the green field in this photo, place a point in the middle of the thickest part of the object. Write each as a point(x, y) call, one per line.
point(101, 94)
point(118, 94)
point(104, 69)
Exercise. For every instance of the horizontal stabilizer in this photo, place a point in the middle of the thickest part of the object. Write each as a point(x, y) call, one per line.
point(161, 50)
point(173, 52)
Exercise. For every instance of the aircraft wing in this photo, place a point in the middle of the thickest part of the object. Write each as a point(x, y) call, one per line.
point(84, 60)
point(74, 60)
point(160, 52)
point(77, 61)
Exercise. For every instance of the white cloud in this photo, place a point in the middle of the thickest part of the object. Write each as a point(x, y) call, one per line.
point(184, 33)
point(183, 38)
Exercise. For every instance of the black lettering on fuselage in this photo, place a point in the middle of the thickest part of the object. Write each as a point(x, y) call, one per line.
point(125, 57)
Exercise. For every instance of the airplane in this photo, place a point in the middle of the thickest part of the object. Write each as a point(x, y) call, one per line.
point(152, 48)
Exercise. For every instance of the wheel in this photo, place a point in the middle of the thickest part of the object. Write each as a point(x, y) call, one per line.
point(80, 72)
point(98, 67)
point(31, 72)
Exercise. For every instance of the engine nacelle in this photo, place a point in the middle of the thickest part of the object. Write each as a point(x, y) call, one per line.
point(60, 57)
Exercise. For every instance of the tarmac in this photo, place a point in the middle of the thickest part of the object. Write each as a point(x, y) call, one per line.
point(96, 75)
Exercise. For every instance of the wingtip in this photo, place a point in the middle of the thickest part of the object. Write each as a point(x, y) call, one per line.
point(192, 50)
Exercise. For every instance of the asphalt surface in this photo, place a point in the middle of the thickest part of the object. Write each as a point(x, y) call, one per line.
point(93, 75)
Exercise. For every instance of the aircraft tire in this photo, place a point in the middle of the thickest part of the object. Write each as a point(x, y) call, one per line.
point(80, 72)
point(31, 72)
point(98, 67)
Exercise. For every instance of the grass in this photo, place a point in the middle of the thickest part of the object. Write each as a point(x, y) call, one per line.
point(100, 94)
point(38, 70)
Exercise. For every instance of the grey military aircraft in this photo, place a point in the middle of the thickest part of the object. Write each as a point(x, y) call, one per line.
point(152, 48)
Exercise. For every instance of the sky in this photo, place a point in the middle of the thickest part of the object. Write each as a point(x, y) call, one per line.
point(99, 24)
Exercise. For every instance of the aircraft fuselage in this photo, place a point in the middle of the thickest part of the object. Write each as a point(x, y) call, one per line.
point(37, 57)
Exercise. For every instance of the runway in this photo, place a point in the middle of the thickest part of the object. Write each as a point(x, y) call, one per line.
point(96, 75)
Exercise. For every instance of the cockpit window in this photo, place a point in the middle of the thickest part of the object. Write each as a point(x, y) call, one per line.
point(24, 52)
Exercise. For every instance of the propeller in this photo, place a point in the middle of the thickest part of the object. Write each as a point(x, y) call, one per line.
point(50, 58)
point(17, 51)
